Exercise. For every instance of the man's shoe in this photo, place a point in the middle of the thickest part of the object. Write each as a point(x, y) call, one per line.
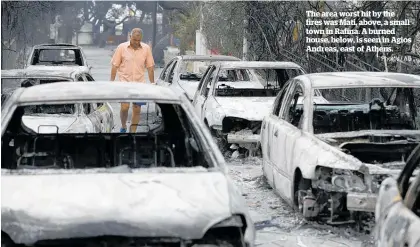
point(123, 130)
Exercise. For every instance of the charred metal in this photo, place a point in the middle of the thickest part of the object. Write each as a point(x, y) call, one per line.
point(233, 124)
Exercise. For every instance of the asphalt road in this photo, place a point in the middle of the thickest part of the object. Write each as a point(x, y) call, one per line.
point(277, 224)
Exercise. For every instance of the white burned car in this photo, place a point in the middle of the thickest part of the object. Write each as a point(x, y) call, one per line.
point(61, 118)
point(16, 78)
point(327, 155)
point(164, 186)
point(184, 72)
point(397, 213)
point(234, 97)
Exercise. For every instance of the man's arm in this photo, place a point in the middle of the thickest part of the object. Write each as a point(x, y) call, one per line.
point(113, 72)
point(150, 65)
point(115, 62)
point(151, 72)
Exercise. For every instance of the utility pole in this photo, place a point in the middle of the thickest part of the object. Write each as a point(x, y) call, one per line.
point(154, 23)
point(245, 39)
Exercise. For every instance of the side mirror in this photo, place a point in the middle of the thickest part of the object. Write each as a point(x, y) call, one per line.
point(90, 67)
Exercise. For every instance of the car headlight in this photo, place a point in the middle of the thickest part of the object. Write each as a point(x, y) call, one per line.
point(347, 179)
point(341, 179)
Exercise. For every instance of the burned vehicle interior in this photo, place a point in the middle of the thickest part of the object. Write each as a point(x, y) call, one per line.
point(384, 108)
point(272, 80)
point(170, 141)
point(190, 69)
point(364, 109)
point(48, 56)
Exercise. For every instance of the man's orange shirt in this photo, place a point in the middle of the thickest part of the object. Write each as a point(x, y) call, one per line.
point(131, 63)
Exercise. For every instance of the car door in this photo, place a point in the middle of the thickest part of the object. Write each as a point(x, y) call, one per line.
point(399, 226)
point(267, 135)
point(286, 131)
point(204, 92)
point(397, 207)
point(165, 72)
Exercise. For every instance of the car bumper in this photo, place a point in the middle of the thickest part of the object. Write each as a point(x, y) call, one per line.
point(364, 202)
point(243, 139)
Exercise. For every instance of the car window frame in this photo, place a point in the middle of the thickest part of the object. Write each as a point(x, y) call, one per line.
point(413, 162)
point(172, 71)
point(412, 196)
point(279, 98)
point(204, 92)
point(291, 93)
point(163, 75)
point(288, 95)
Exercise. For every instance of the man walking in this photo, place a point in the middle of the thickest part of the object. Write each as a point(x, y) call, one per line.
point(129, 62)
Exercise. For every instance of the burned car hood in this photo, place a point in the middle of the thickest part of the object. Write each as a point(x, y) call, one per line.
point(48, 123)
point(250, 108)
point(381, 151)
point(189, 87)
point(58, 206)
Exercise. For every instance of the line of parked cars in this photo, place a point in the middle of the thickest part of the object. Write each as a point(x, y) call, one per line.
point(335, 146)
point(328, 141)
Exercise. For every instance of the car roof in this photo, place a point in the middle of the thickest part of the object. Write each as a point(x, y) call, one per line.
point(258, 65)
point(44, 71)
point(360, 79)
point(209, 57)
point(56, 46)
point(91, 91)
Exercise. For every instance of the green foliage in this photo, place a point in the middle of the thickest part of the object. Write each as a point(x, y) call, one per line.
point(185, 25)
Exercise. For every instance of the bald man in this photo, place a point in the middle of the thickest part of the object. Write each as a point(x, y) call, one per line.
point(130, 60)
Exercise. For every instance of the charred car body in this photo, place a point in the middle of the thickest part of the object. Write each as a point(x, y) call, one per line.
point(184, 72)
point(397, 212)
point(60, 118)
point(327, 155)
point(58, 55)
point(91, 189)
point(16, 78)
point(233, 98)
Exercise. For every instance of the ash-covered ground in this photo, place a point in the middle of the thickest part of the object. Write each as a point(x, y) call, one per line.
point(277, 224)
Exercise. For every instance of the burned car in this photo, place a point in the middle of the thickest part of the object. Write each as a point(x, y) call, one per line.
point(16, 78)
point(185, 72)
point(40, 117)
point(166, 185)
point(397, 213)
point(233, 98)
point(58, 55)
point(327, 155)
